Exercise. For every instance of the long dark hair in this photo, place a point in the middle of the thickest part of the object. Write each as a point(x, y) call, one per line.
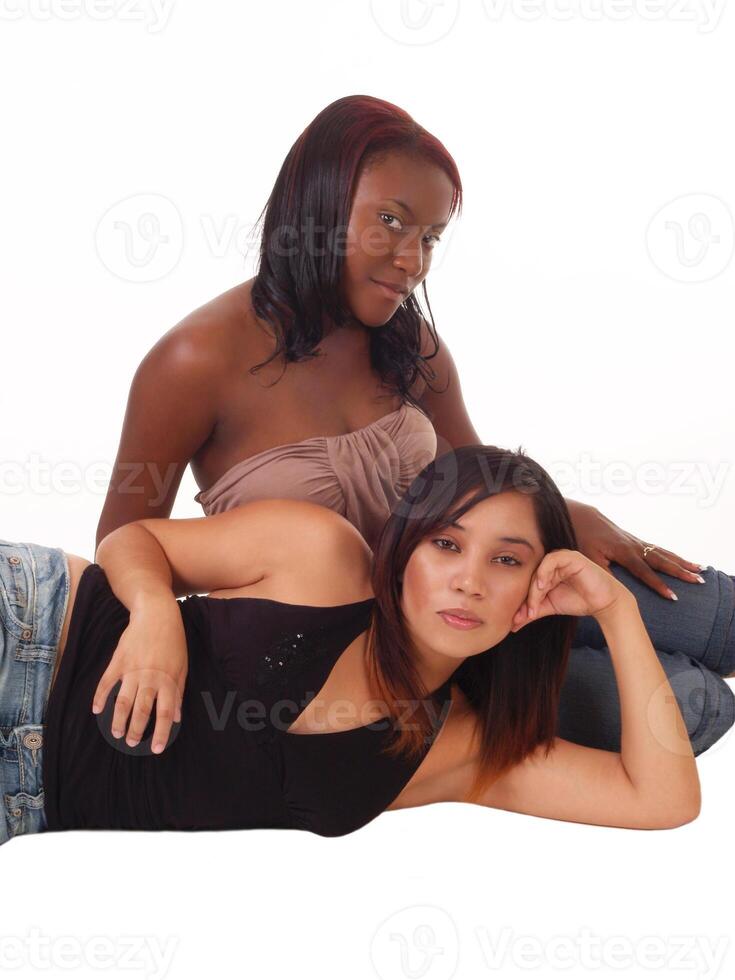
point(312, 197)
point(513, 687)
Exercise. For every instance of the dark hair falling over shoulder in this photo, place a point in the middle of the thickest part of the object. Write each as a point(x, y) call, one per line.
point(513, 687)
point(297, 285)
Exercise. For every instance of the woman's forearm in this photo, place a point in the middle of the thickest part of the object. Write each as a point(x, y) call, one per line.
point(136, 566)
point(655, 749)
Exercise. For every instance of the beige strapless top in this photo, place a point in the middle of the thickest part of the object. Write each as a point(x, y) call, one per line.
point(360, 474)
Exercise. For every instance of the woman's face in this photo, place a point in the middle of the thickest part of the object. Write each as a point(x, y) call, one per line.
point(475, 567)
point(392, 241)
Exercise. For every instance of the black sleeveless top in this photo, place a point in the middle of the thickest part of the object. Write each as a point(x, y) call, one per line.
point(254, 664)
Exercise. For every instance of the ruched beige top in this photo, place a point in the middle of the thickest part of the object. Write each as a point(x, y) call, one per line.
point(360, 474)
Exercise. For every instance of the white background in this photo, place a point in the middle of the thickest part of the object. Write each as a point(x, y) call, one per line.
point(584, 296)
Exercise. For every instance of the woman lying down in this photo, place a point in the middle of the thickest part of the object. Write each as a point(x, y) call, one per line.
point(317, 685)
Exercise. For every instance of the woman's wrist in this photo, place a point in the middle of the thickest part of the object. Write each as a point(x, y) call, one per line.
point(136, 567)
point(623, 607)
point(151, 598)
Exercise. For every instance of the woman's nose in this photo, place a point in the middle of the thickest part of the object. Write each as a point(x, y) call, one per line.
point(469, 581)
point(409, 256)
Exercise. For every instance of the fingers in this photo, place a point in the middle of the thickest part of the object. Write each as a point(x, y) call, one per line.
point(123, 703)
point(546, 579)
point(691, 565)
point(667, 561)
point(638, 567)
point(141, 713)
point(140, 695)
point(108, 680)
point(165, 711)
point(555, 567)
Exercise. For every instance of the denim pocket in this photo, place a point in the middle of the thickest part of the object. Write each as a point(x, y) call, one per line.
point(24, 813)
point(17, 592)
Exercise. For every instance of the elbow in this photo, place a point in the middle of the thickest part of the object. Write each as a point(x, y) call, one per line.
point(677, 818)
point(107, 540)
point(101, 547)
point(691, 813)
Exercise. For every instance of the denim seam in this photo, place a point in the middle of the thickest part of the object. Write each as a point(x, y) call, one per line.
point(717, 668)
point(704, 715)
point(59, 629)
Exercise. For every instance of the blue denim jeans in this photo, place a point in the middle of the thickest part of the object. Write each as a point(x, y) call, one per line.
point(34, 593)
point(694, 638)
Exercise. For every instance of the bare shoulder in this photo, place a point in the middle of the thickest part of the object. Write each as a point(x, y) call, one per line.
point(336, 562)
point(319, 557)
point(212, 334)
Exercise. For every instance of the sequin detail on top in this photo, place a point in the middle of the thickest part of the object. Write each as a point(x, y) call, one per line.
point(290, 652)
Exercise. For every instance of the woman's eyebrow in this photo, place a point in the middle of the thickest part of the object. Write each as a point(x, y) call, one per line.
point(406, 208)
point(507, 538)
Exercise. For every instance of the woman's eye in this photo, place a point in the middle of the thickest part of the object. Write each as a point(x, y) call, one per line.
point(444, 540)
point(501, 559)
point(392, 217)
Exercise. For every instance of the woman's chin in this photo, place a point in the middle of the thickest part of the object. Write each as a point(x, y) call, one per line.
point(376, 318)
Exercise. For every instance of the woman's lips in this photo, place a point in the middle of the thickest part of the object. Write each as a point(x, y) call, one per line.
point(459, 624)
point(393, 294)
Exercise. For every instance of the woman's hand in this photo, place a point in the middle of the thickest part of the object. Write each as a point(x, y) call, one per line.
point(151, 659)
point(566, 583)
point(602, 541)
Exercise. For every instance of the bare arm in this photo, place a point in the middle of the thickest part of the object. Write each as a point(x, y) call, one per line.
point(171, 412)
point(298, 540)
point(316, 556)
point(446, 406)
point(652, 783)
